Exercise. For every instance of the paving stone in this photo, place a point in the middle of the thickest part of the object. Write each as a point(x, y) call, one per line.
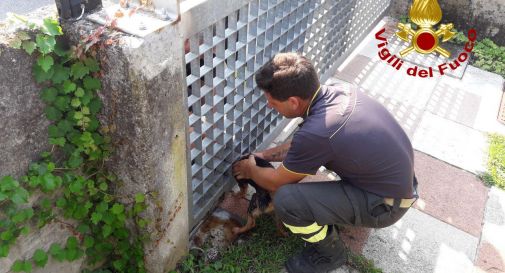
point(355, 70)
point(491, 252)
point(384, 80)
point(451, 142)
point(489, 259)
point(489, 88)
point(421, 243)
point(455, 104)
point(450, 194)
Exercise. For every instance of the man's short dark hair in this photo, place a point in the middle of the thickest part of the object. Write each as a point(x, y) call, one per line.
point(288, 75)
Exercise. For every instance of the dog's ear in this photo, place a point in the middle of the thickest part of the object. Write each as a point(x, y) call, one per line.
point(260, 162)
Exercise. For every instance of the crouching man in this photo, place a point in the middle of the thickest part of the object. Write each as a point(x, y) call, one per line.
point(345, 131)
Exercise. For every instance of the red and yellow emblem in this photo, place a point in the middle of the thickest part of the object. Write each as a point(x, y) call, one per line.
point(425, 14)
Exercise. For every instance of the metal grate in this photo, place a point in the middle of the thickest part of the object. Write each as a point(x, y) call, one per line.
point(337, 28)
point(227, 112)
point(228, 116)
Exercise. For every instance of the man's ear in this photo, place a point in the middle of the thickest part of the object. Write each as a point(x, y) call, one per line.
point(294, 102)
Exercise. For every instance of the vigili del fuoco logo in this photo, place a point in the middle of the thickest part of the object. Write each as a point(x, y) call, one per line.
point(425, 39)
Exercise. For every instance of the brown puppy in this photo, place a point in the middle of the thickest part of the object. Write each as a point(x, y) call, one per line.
point(260, 203)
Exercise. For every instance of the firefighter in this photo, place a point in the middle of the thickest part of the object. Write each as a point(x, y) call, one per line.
point(345, 131)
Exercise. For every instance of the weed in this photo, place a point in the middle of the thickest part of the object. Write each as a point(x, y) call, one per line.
point(495, 174)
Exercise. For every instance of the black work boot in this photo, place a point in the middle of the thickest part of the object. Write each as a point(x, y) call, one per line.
point(323, 256)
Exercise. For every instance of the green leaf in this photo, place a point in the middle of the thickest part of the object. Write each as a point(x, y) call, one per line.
point(79, 70)
point(89, 241)
point(88, 95)
point(96, 217)
point(35, 181)
point(29, 213)
point(41, 75)
point(27, 266)
point(79, 92)
point(8, 183)
point(72, 254)
point(45, 62)
point(51, 27)
point(18, 218)
point(4, 250)
point(59, 141)
point(76, 186)
point(48, 181)
point(45, 43)
point(139, 198)
point(23, 35)
point(117, 208)
point(108, 218)
point(72, 242)
point(40, 257)
point(91, 83)
point(106, 231)
point(61, 74)
point(61, 202)
point(62, 103)
point(65, 126)
point(53, 114)
point(85, 111)
point(78, 115)
point(49, 94)
point(95, 105)
point(83, 228)
point(54, 131)
point(20, 196)
point(15, 43)
point(142, 223)
point(55, 249)
point(119, 265)
point(74, 161)
point(102, 207)
point(103, 186)
point(6, 235)
point(92, 64)
point(18, 266)
point(3, 196)
point(75, 102)
point(93, 124)
point(28, 46)
point(25, 230)
point(68, 86)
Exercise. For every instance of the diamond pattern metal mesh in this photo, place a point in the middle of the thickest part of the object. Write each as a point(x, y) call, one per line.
point(228, 116)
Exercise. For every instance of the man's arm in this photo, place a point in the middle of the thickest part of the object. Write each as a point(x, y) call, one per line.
point(275, 154)
point(267, 178)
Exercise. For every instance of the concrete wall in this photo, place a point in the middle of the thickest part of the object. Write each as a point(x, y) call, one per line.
point(486, 16)
point(23, 136)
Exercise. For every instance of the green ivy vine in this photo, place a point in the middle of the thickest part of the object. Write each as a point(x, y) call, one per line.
point(73, 185)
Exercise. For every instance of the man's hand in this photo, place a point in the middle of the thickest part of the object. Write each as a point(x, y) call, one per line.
point(259, 154)
point(243, 169)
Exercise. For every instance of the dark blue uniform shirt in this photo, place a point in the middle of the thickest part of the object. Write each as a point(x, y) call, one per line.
point(355, 136)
